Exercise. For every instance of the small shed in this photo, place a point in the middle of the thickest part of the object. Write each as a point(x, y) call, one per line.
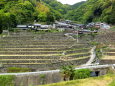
point(61, 25)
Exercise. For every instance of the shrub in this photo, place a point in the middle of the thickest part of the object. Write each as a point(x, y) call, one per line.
point(16, 70)
point(6, 80)
point(82, 73)
point(42, 78)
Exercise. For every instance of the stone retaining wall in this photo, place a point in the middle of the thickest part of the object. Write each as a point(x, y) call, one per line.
point(52, 76)
point(37, 79)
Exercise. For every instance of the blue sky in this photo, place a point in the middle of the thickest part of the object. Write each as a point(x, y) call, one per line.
point(71, 2)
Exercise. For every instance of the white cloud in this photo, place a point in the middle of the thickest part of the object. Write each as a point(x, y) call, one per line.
point(71, 2)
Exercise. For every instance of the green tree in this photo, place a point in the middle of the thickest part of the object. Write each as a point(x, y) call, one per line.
point(67, 72)
point(50, 17)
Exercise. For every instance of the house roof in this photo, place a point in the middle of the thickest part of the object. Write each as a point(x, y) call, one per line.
point(37, 24)
point(21, 26)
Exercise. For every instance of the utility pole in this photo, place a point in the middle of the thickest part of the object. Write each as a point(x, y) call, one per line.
point(76, 28)
point(8, 28)
point(77, 35)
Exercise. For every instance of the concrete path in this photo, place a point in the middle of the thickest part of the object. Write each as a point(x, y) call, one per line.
point(93, 56)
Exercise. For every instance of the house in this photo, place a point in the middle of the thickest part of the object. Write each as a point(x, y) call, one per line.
point(63, 25)
point(85, 31)
point(31, 26)
point(104, 26)
point(82, 26)
point(68, 21)
point(37, 26)
point(44, 27)
point(97, 25)
point(23, 27)
point(92, 24)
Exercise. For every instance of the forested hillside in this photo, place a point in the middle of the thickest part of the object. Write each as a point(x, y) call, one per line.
point(54, 4)
point(13, 12)
point(94, 10)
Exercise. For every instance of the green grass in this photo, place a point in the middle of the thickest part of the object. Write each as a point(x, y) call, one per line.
point(1, 35)
point(6, 80)
point(112, 83)
point(106, 80)
point(17, 70)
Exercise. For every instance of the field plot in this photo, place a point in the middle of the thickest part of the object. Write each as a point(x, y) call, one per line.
point(107, 37)
point(42, 51)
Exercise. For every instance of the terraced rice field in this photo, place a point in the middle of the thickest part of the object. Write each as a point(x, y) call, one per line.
point(107, 37)
point(109, 56)
point(41, 51)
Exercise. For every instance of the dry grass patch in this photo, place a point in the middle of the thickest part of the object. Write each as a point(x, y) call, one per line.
point(108, 58)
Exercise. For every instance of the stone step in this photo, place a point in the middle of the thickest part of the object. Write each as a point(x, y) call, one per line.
point(23, 63)
point(30, 61)
point(43, 52)
point(43, 56)
point(110, 54)
point(61, 59)
point(37, 38)
point(44, 49)
point(78, 51)
point(45, 46)
point(106, 57)
point(31, 52)
point(78, 55)
point(55, 64)
point(110, 50)
point(34, 46)
point(29, 57)
point(38, 61)
point(107, 61)
point(37, 55)
point(37, 43)
point(33, 49)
